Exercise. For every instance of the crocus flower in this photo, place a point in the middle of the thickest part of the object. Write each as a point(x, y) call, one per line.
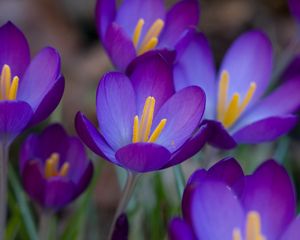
point(54, 167)
point(238, 111)
point(224, 204)
point(138, 26)
point(143, 124)
point(29, 90)
point(294, 6)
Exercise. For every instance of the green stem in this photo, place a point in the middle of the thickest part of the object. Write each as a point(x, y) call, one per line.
point(45, 224)
point(180, 179)
point(126, 195)
point(4, 149)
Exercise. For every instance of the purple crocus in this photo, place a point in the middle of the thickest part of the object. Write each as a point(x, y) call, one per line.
point(238, 111)
point(224, 204)
point(294, 6)
point(29, 90)
point(143, 124)
point(54, 167)
point(138, 26)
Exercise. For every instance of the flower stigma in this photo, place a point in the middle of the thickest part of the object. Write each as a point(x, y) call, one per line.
point(142, 127)
point(51, 167)
point(8, 85)
point(229, 113)
point(253, 228)
point(150, 40)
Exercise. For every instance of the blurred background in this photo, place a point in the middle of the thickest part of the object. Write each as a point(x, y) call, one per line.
point(68, 25)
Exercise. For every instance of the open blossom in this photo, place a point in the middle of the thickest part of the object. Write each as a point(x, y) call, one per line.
point(54, 167)
point(143, 124)
point(238, 111)
point(29, 89)
point(138, 26)
point(224, 204)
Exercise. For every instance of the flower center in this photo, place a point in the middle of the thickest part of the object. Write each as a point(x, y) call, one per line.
point(151, 38)
point(51, 167)
point(142, 127)
point(8, 86)
point(229, 113)
point(252, 230)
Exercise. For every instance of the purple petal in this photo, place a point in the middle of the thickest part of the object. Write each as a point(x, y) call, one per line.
point(195, 66)
point(215, 211)
point(294, 8)
point(284, 100)
point(14, 49)
point(182, 121)
point(26, 153)
point(40, 78)
point(14, 117)
point(143, 157)
point(180, 230)
point(190, 147)
point(270, 192)
point(293, 69)
point(292, 232)
point(121, 230)
point(92, 138)
point(118, 46)
point(85, 178)
point(244, 65)
point(132, 10)
point(105, 14)
point(265, 130)
point(49, 102)
point(179, 18)
point(58, 193)
point(219, 136)
point(116, 109)
point(33, 181)
point(151, 75)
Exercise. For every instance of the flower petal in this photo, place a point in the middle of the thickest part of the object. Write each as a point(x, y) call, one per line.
point(116, 109)
point(85, 178)
point(14, 117)
point(132, 10)
point(195, 66)
point(292, 232)
point(49, 102)
point(270, 192)
point(180, 230)
point(244, 65)
point(294, 8)
point(183, 112)
point(265, 130)
point(190, 147)
point(14, 49)
point(293, 69)
point(39, 78)
point(151, 75)
point(215, 211)
point(105, 14)
point(92, 138)
point(219, 136)
point(143, 157)
point(118, 46)
point(179, 18)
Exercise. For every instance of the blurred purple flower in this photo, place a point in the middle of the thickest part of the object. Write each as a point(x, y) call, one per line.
point(141, 25)
point(143, 124)
point(121, 230)
point(237, 110)
point(54, 167)
point(29, 91)
point(294, 6)
point(224, 204)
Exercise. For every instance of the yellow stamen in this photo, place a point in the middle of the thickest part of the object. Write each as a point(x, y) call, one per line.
point(141, 129)
point(232, 111)
point(236, 235)
point(228, 114)
point(13, 89)
point(137, 32)
point(222, 97)
point(64, 169)
point(157, 130)
point(51, 165)
point(154, 31)
point(151, 44)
